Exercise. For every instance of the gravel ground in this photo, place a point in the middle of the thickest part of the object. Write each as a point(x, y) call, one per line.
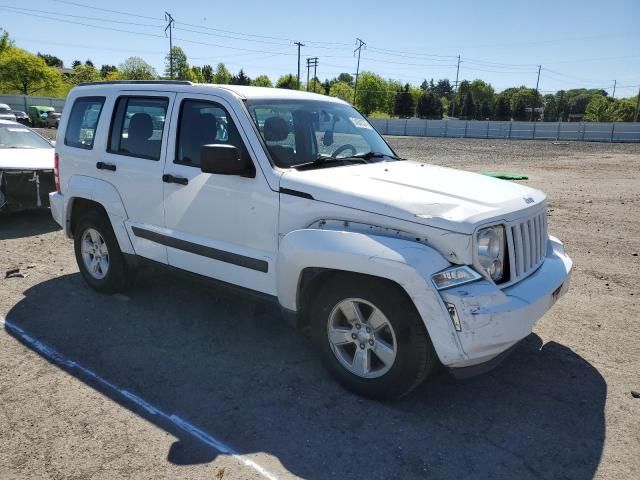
point(559, 407)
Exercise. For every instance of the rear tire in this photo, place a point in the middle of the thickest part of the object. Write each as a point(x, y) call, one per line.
point(98, 254)
point(389, 338)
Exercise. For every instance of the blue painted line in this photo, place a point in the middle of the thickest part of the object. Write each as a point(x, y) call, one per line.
point(184, 425)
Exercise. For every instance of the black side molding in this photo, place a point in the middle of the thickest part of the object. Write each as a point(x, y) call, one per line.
point(209, 252)
point(296, 193)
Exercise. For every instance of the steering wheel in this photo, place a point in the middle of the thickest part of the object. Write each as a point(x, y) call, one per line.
point(341, 149)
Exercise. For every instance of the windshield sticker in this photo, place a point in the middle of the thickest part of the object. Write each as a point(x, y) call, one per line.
point(360, 123)
point(17, 129)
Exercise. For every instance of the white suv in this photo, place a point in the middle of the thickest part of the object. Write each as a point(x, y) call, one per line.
point(397, 266)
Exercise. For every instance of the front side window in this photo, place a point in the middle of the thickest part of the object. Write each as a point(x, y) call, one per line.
point(138, 126)
point(83, 120)
point(297, 132)
point(204, 123)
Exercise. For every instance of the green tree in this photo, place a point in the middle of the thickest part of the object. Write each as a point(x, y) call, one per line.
point(485, 110)
point(550, 108)
point(502, 109)
point(482, 91)
point(25, 73)
point(443, 89)
point(89, 63)
point(598, 109)
point(429, 106)
point(346, 78)
point(371, 93)
point(623, 110)
point(223, 75)
point(467, 106)
point(5, 42)
point(315, 86)
point(342, 90)
point(240, 79)
point(75, 63)
point(135, 68)
point(107, 70)
point(181, 69)
point(195, 74)
point(207, 73)
point(519, 108)
point(404, 105)
point(289, 81)
point(84, 74)
point(262, 81)
point(51, 60)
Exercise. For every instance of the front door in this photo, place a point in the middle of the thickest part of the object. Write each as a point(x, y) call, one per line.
point(221, 226)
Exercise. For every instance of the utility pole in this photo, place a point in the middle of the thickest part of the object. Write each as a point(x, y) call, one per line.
point(535, 99)
point(169, 18)
point(299, 44)
point(312, 62)
point(358, 49)
point(453, 105)
point(614, 89)
point(635, 117)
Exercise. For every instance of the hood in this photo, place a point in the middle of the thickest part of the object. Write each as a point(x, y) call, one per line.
point(26, 158)
point(441, 197)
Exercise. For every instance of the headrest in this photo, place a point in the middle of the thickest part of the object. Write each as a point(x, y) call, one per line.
point(275, 129)
point(141, 126)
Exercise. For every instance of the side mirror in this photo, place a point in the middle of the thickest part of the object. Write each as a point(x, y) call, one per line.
point(225, 160)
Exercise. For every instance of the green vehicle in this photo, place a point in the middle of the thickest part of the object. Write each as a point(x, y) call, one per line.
point(38, 115)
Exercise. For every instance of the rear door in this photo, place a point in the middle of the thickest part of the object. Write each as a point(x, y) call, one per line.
point(133, 162)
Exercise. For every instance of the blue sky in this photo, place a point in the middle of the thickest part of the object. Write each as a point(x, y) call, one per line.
point(583, 43)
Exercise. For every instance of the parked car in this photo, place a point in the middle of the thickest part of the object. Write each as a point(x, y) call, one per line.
point(21, 117)
point(52, 120)
point(38, 115)
point(6, 113)
point(26, 168)
point(397, 266)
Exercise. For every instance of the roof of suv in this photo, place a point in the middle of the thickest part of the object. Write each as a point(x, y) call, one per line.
point(242, 91)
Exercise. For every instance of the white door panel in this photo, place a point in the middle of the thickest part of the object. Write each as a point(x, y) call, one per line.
point(225, 225)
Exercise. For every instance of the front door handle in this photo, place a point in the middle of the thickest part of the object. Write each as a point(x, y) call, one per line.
point(167, 178)
point(106, 166)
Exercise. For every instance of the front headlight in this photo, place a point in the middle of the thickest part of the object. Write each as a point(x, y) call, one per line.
point(491, 250)
point(455, 276)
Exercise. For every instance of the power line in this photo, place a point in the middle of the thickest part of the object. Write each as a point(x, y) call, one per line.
point(98, 19)
point(76, 4)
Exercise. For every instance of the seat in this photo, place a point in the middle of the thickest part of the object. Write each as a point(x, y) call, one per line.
point(196, 130)
point(138, 141)
point(276, 129)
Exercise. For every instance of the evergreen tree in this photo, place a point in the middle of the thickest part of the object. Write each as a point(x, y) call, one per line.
point(290, 82)
point(181, 69)
point(223, 75)
point(51, 60)
point(519, 109)
point(207, 73)
point(76, 63)
point(485, 110)
point(105, 70)
point(429, 106)
point(502, 110)
point(240, 79)
point(467, 107)
point(403, 103)
point(89, 63)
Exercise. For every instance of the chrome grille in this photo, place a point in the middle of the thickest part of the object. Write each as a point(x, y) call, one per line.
point(527, 245)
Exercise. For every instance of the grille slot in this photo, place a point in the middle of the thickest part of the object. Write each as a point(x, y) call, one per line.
point(528, 244)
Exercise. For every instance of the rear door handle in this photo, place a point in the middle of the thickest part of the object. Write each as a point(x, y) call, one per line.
point(106, 166)
point(166, 178)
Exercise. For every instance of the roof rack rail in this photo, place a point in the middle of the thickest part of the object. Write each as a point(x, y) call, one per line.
point(137, 82)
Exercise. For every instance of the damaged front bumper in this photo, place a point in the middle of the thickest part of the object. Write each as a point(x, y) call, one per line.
point(492, 320)
point(25, 189)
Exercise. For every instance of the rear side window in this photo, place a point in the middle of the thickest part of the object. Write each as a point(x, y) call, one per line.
point(137, 127)
point(83, 120)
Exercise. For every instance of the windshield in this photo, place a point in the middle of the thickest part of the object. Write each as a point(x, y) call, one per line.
point(5, 109)
point(297, 132)
point(17, 136)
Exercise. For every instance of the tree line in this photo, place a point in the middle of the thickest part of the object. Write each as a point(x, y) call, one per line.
point(43, 74)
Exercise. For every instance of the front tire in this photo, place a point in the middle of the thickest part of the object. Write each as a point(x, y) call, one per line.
point(370, 336)
point(98, 254)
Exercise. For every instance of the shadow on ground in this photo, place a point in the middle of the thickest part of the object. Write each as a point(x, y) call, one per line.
point(26, 224)
point(234, 369)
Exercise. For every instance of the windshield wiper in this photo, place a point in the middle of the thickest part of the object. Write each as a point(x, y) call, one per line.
point(370, 155)
point(322, 160)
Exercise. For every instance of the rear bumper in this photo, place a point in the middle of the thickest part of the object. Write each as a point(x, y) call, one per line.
point(56, 202)
point(494, 320)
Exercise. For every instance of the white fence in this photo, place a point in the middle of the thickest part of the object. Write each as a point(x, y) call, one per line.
point(23, 102)
point(572, 131)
